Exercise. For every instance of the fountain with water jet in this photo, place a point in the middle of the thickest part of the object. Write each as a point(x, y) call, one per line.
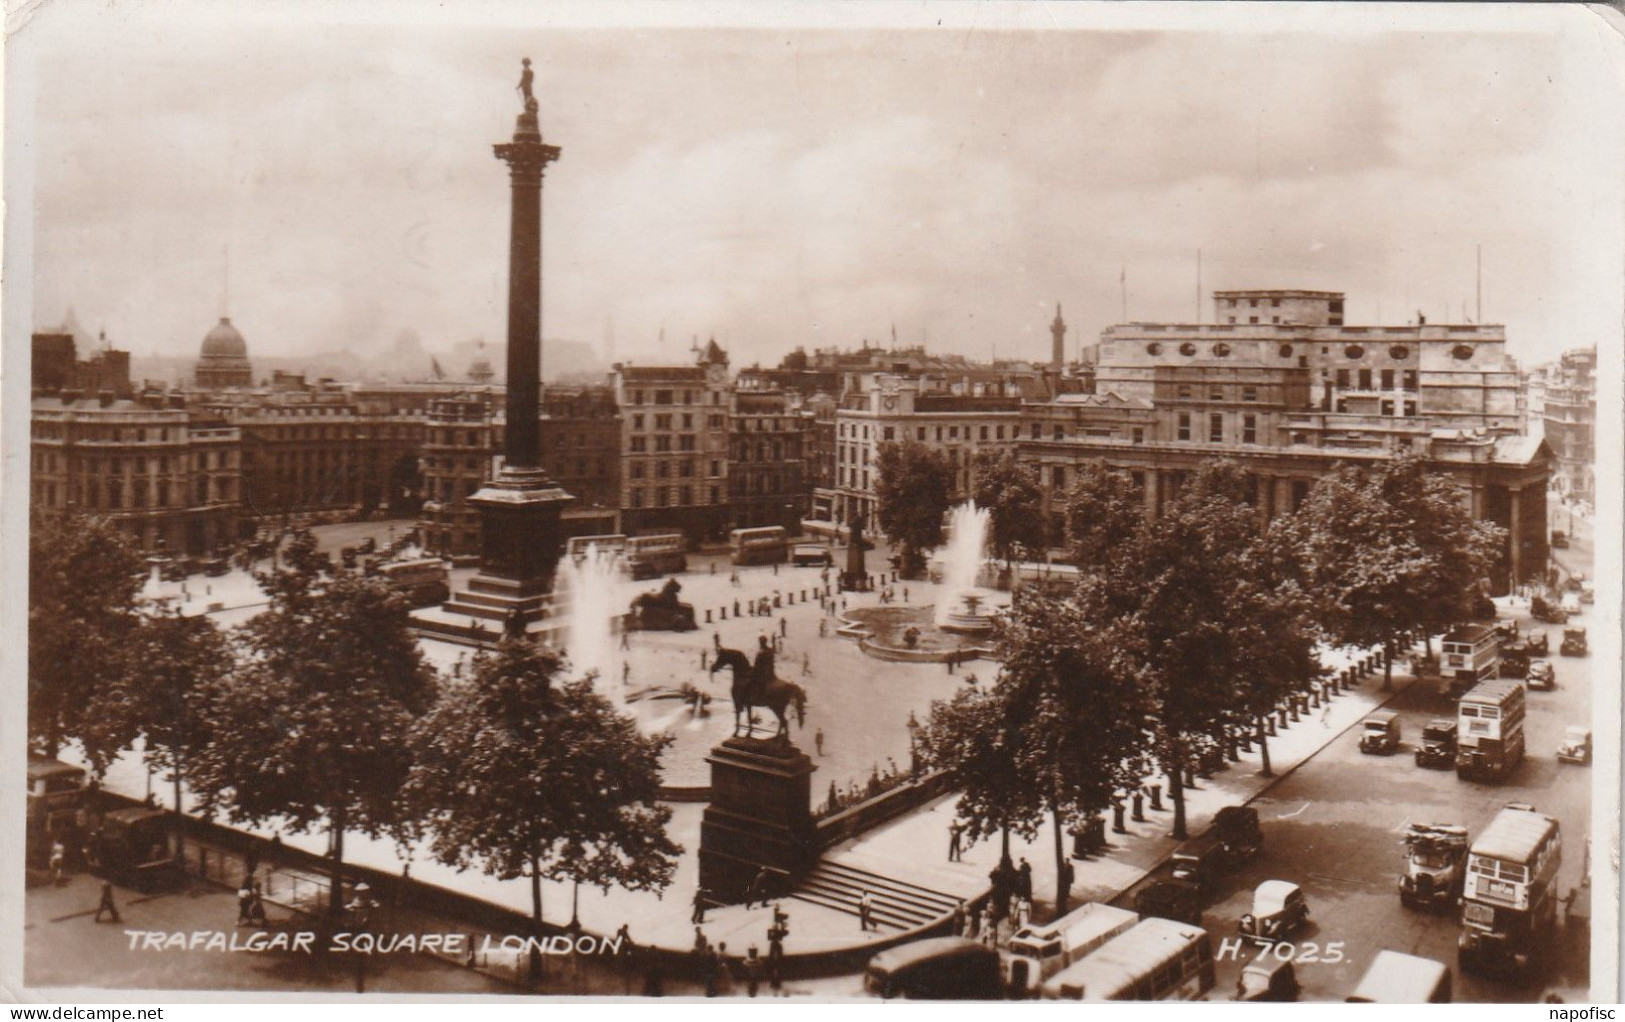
point(965, 607)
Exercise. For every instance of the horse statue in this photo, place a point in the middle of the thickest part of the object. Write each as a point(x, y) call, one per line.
point(755, 685)
point(661, 611)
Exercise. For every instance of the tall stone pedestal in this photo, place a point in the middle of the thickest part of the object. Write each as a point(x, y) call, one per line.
point(760, 816)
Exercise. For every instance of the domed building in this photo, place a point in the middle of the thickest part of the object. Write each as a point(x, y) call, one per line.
point(480, 371)
point(223, 362)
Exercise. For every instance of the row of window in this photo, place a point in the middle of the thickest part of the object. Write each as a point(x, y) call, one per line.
point(1215, 428)
point(161, 495)
point(668, 397)
point(1364, 378)
point(942, 432)
point(669, 496)
point(662, 443)
point(1217, 392)
point(662, 469)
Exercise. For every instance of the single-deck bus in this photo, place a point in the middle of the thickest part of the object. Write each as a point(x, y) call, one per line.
point(1468, 655)
point(1157, 960)
point(1509, 901)
point(423, 581)
point(1489, 730)
point(765, 545)
point(577, 546)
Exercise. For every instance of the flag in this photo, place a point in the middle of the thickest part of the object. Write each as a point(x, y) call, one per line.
point(434, 364)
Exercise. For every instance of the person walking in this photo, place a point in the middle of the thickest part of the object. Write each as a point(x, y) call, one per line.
point(703, 654)
point(956, 831)
point(1024, 880)
point(58, 856)
point(866, 913)
point(627, 949)
point(725, 976)
point(716, 641)
point(107, 905)
point(626, 639)
point(784, 628)
point(626, 672)
point(818, 742)
point(823, 628)
point(957, 926)
point(245, 898)
point(698, 916)
point(806, 664)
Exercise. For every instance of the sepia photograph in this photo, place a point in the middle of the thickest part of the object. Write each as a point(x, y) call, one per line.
point(812, 502)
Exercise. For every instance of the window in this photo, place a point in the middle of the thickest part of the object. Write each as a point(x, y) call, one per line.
point(1408, 379)
point(662, 397)
point(1252, 303)
point(983, 435)
point(1249, 393)
point(1215, 393)
point(1215, 428)
point(1184, 425)
point(1249, 429)
point(637, 397)
point(1365, 379)
point(1232, 319)
point(662, 422)
point(688, 420)
point(685, 442)
point(716, 468)
point(891, 433)
point(1252, 319)
point(1184, 390)
point(1387, 379)
point(1410, 408)
point(919, 434)
point(637, 496)
point(1059, 432)
point(1058, 476)
point(1342, 379)
point(1387, 406)
point(662, 444)
point(637, 470)
point(1035, 430)
point(1139, 434)
point(661, 470)
point(953, 433)
point(1000, 433)
point(688, 495)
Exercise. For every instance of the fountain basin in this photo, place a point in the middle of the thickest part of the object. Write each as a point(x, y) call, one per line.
point(881, 633)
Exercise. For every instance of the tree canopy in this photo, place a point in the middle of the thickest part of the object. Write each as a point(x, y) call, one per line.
point(83, 578)
point(912, 492)
point(1103, 512)
point(1010, 491)
point(312, 726)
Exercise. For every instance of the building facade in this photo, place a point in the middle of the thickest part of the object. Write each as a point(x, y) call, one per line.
point(767, 455)
point(674, 447)
point(1291, 400)
point(1569, 411)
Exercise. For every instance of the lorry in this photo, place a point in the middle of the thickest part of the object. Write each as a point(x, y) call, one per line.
point(1438, 747)
point(1233, 838)
point(1435, 865)
point(1035, 953)
point(1509, 899)
point(1547, 609)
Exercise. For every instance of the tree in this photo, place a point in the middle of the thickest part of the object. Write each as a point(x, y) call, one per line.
point(312, 726)
point(1081, 712)
point(977, 738)
point(1388, 551)
point(1103, 512)
point(1010, 491)
point(519, 777)
point(83, 577)
point(176, 660)
point(912, 494)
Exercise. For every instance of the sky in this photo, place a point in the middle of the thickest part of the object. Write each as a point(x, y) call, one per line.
point(812, 176)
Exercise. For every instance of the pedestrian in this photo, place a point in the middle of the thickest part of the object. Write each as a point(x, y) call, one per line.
point(866, 912)
point(256, 906)
point(713, 567)
point(698, 915)
point(1024, 879)
point(245, 899)
point(106, 904)
point(957, 925)
point(736, 608)
point(823, 628)
point(654, 984)
point(784, 628)
point(626, 672)
point(276, 847)
point(1325, 713)
point(627, 949)
point(818, 742)
point(703, 654)
point(58, 855)
point(716, 641)
point(956, 831)
point(757, 891)
point(752, 966)
point(905, 594)
point(701, 945)
point(626, 642)
point(775, 571)
point(725, 976)
point(806, 664)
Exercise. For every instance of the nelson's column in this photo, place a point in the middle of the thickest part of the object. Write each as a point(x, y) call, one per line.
point(519, 509)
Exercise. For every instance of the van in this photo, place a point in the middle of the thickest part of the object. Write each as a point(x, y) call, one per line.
point(1396, 978)
point(938, 969)
point(1036, 953)
point(812, 555)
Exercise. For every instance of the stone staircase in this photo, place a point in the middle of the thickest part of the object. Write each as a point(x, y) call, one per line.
point(898, 904)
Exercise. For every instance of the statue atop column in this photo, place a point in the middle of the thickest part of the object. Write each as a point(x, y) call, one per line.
point(526, 77)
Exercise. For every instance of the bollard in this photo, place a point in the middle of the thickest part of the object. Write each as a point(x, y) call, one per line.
point(1156, 796)
point(1269, 724)
point(1246, 740)
point(724, 613)
point(1117, 819)
point(708, 616)
point(1314, 698)
point(1190, 778)
point(1292, 708)
point(1139, 808)
point(1280, 715)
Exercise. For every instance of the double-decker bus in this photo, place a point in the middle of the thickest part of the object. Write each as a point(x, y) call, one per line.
point(653, 556)
point(1469, 655)
point(1509, 900)
point(1157, 960)
point(1489, 730)
point(423, 582)
point(577, 546)
point(56, 798)
point(765, 545)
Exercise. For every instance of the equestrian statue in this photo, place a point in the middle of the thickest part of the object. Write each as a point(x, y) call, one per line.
point(755, 684)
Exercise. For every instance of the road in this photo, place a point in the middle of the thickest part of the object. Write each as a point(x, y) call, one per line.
point(1335, 827)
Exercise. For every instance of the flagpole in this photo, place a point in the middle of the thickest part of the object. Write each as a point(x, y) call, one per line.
point(1122, 279)
point(1478, 312)
point(1198, 287)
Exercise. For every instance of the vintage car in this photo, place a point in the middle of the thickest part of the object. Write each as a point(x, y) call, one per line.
point(1233, 838)
point(1536, 642)
point(1575, 746)
point(1560, 539)
point(1171, 899)
point(1541, 676)
point(1279, 910)
point(1267, 978)
point(1574, 642)
point(1380, 733)
point(1514, 662)
point(1438, 748)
